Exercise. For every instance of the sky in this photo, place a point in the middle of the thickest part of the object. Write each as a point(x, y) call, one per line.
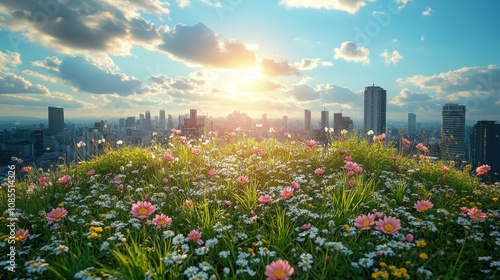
point(114, 58)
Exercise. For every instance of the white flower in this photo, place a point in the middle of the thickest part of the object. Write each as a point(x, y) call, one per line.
point(119, 142)
point(370, 132)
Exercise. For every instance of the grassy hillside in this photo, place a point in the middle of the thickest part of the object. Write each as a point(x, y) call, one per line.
point(237, 208)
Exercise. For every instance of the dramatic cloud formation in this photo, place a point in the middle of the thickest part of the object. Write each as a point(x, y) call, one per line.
point(334, 94)
point(393, 57)
point(278, 67)
point(407, 97)
point(199, 45)
point(71, 28)
point(349, 51)
point(87, 77)
point(12, 84)
point(351, 6)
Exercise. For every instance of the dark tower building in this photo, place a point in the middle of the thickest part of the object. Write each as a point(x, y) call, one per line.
point(56, 120)
point(453, 132)
point(375, 109)
point(38, 142)
point(307, 120)
point(485, 146)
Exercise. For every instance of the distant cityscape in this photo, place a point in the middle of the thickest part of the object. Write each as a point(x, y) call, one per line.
point(45, 146)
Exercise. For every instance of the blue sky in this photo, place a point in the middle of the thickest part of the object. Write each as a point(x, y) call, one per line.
point(110, 58)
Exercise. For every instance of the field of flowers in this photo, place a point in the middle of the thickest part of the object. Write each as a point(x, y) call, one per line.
point(231, 207)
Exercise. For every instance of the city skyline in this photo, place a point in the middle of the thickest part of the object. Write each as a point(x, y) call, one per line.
point(277, 58)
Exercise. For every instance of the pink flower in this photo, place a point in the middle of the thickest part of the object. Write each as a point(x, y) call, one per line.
point(120, 187)
point(142, 209)
point(242, 180)
point(379, 254)
point(43, 181)
point(264, 199)
point(364, 222)
point(342, 151)
point(319, 171)
point(255, 150)
point(422, 148)
point(167, 157)
point(175, 131)
point(161, 221)
point(483, 169)
point(90, 172)
point(56, 214)
point(408, 238)
point(378, 215)
point(286, 193)
point(146, 197)
point(394, 158)
point(212, 172)
point(388, 225)
point(350, 173)
point(347, 159)
point(476, 214)
point(189, 203)
point(227, 203)
point(278, 270)
point(64, 180)
point(379, 138)
point(423, 205)
point(352, 183)
point(116, 178)
point(464, 209)
point(21, 234)
point(306, 227)
point(295, 185)
point(252, 213)
point(194, 236)
point(311, 143)
point(164, 181)
point(183, 139)
point(196, 152)
point(406, 142)
point(445, 169)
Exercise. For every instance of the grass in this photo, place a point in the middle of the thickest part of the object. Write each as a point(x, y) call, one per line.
point(312, 228)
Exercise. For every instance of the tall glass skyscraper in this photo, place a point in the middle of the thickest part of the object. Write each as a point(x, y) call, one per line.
point(412, 124)
point(56, 120)
point(453, 132)
point(375, 109)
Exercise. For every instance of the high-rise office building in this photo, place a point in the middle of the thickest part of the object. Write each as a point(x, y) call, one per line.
point(162, 122)
point(130, 122)
point(412, 124)
point(37, 142)
point(170, 124)
point(325, 120)
point(453, 132)
point(56, 120)
point(147, 125)
point(485, 146)
point(307, 120)
point(375, 109)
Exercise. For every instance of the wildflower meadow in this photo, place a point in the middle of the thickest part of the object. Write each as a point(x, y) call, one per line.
point(233, 207)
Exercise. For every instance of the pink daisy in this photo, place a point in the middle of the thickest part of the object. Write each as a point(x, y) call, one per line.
point(196, 152)
point(423, 205)
point(476, 214)
point(279, 270)
point(388, 225)
point(242, 180)
point(167, 157)
point(286, 193)
point(56, 214)
point(212, 172)
point(21, 234)
point(161, 221)
point(319, 171)
point(64, 180)
point(264, 199)
point(194, 236)
point(142, 209)
point(43, 181)
point(295, 185)
point(483, 169)
point(311, 143)
point(364, 222)
point(90, 172)
point(445, 169)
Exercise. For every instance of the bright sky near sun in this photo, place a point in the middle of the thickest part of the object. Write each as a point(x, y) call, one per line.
point(113, 58)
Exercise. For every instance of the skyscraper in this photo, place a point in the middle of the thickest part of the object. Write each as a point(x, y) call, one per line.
point(412, 124)
point(453, 132)
point(485, 145)
point(375, 109)
point(307, 120)
point(325, 122)
point(340, 123)
point(147, 125)
point(162, 122)
point(56, 120)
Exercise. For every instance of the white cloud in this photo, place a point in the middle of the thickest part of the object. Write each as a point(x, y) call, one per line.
point(307, 63)
point(278, 67)
point(427, 12)
point(393, 57)
point(39, 76)
point(350, 6)
point(50, 64)
point(9, 58)
point(13, 84)
point(182, 3)
point(402, 3)
point(349, 51)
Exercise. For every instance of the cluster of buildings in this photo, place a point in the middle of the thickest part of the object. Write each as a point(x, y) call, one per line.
point(45, 146)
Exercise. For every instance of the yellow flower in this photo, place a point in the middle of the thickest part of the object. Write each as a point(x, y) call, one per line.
point(107, 228)
point(346, 227)
point(423, 256)
point(421, 243)
point(61, 204)
point(495, 199)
